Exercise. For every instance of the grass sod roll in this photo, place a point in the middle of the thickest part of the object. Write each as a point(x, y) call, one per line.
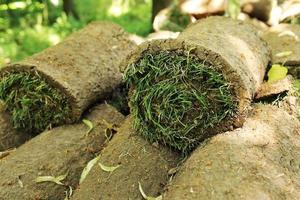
point(33, 103)
point(258, 161)
point(202, 83)
point(56, 86)
point(135, 161)
point(64, 150)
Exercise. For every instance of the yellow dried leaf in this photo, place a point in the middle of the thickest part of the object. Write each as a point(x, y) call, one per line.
point(108, 169)
point(89, 124)
point(289, 34)
point(148, 197)
point(284, 54)
point(53, 179)
point(88, 168)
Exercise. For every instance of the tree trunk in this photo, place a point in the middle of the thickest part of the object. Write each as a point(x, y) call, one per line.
point(158, 5)
point(68, 7)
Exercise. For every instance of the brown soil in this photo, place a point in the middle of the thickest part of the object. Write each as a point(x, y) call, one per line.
point(66, 149)
point(258, 161)
point(139, 161)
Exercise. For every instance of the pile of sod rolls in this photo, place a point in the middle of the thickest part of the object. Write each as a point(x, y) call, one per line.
point(187, 89)
point(56, 86)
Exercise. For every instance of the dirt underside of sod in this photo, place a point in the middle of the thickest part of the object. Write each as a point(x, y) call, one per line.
point(33, 103)
point(176, 97)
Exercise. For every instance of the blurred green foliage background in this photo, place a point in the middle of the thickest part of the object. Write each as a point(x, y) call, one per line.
point(29, 26)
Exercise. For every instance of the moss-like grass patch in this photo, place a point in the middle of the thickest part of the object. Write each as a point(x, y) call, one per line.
point(175, 98)
point(34, 105)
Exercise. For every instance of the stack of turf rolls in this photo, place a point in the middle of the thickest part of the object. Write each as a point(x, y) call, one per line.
point(185, 90)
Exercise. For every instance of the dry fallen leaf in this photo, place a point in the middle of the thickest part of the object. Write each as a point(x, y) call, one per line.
point(89, 124)
point(53, 179)
point(288, 33)
point(284, 54)
point(148, 197)
point(108, 169)
point(88, 168)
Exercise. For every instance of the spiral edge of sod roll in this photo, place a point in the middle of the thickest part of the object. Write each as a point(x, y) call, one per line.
point(233, 50)
point(185, 92)
point(34, 103)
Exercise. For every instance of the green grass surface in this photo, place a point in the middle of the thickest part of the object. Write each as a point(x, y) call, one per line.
point(176, 97)
point(33, 104)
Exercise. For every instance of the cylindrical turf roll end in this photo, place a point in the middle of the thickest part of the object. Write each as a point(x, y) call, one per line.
point(188, 89)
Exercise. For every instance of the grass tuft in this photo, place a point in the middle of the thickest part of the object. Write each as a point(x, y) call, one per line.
point(175, 98)
point(33, 104)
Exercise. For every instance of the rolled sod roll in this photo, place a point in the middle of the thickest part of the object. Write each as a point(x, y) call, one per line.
point(258, 161)
point(284, 40)
point(9, 137)
point(187, 89)
point(56, 86)
point(134, 164)
point(62, 151)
